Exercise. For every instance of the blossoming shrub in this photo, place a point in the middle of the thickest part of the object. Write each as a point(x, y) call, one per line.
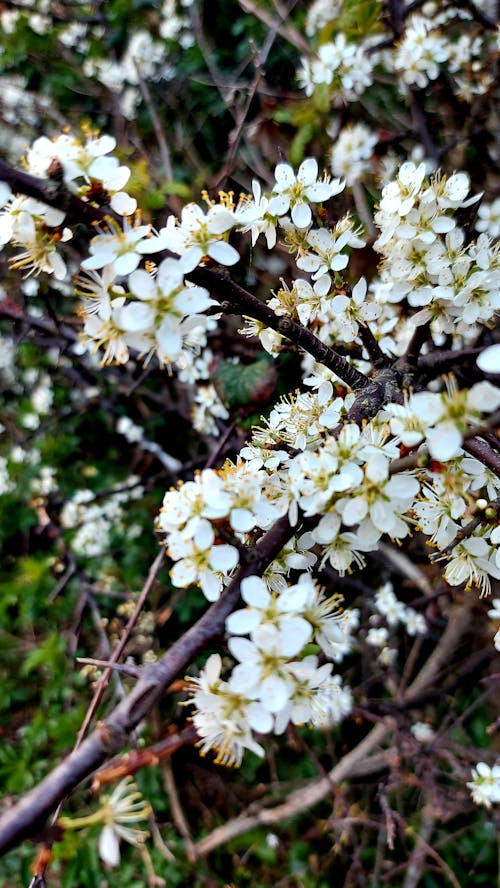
point(289, 384)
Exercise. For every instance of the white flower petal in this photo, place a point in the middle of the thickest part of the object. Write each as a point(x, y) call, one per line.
point(489, 359)
point(301, 215)
point(123, 204)
point(444, 441)
point(109, 846)
point(223, 558)
point(224, 253)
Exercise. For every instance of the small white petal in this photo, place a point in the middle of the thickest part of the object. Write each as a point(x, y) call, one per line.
point(127, 263)
point(224, 253)
point(301, 215)
point(489, 359)
point(444, 441)
point(109, 846)
point(123, 204)
point(5, 193)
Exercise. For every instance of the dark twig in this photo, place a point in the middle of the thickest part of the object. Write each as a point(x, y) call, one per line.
point(468, 530)
point(437, 362)
point(133, 671)
point(484, 453)
point(103, 681)
point(54, 194)
point(375, 353)
point(420, 123)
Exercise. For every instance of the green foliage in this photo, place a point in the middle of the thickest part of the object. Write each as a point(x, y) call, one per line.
point(245, 386)
point(357, 19)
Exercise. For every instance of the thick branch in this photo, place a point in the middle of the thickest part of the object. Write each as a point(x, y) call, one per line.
point(240, 301)
point(25, 818)
point(53, 194)
point(484, 453)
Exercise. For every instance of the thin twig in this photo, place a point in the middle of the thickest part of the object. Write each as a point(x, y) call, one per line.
point(103, 681)
point(362, 208)
point(422, 850)
point(286, 31)
point(298, 801)
point(176, 810)
point(133, 671)
point(159, 131)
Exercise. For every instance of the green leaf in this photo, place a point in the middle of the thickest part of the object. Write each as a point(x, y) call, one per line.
point(300, 141)
point(245, 386)
point(46, 654)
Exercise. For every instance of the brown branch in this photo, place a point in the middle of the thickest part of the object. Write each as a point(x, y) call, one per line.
point(25, 818)
point(420, 123)
point(439, 361)
point(140, 758)
point(236, 300)
point(484, 453)
point(54, 194)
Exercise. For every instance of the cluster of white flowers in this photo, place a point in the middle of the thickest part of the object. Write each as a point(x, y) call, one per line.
point(272, 684)
point(38, 228)
point(92, 520)
point(145, 56)
point(236, 494)
point(426, 260)
point(207, 409)
point(442, 418)
point(161, 314)
point(45, 482)
point(395, 613)
point(342, 65)
point(420, 52)
point(433, 40)
point(294, 465)
point(351, 152)
point(155, 315)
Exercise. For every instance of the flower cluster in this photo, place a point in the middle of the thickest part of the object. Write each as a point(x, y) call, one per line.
point(307, 460)
point(87, 171)
point(434, 40)
point(271, 684)
point(351, 152)
point(342, 65)
point(92, 520)
point(426, 260)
